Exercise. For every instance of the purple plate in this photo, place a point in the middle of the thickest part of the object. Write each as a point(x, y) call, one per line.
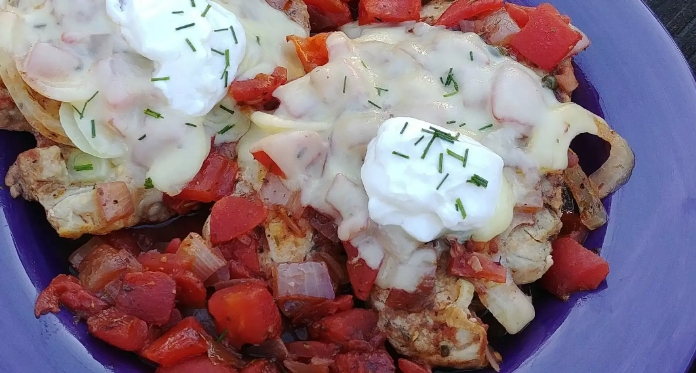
point(641, 321)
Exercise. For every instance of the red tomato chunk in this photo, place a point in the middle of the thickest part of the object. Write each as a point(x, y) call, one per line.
point(371, 362)
point(476, 266)
point(344, 327)
point(148, 296)
point(297, 367)
point(167, 263)
point(190, 290)
point(311, 349)
point(234, 216)
point(362, 277)
point(328, 14)
point(216, 179)
point(260, 366)
point(184, 340)
point(104, 265)
point(67, 290)
point(119, 329)
point(258, 92)
point(466, 10)
point(574, 268)
point(389, 11)
point(198, 364)
point(312, 51)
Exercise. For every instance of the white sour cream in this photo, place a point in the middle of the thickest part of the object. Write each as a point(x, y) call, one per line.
point(417, 180)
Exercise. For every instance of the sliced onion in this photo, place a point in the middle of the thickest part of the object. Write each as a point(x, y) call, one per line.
point(308, 278)
point(205, 260)
point(221, 275)
point(338, 271)
point(115, 201)
point(78, 255)
point(618, 168)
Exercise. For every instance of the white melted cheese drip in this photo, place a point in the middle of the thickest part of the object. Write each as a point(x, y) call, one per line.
point(418, 193)
point(320, 133)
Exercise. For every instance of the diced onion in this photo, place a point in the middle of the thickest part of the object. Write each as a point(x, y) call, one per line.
point(115, 201)
point(205, 260)
point(78, 255)
point(308, 278)
point(100, 170)
point(467, 26)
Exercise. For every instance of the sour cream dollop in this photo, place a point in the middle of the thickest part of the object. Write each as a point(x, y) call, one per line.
point(196, 50)
point(420, 176)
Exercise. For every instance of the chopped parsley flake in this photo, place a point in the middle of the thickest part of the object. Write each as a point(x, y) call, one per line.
point(148, 183)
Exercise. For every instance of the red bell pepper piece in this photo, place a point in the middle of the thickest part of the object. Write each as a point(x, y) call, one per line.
point(546, 39)
point(312, 51)
point(574, 268)
point(362, 277)
point(184, 340)
point(248, 313)
point(478, 266)
point(216, 179)
point(388, 11)
point(234, 216)
point(148, 296)
point(258, 92)
point(466, 10)
point(119, 329)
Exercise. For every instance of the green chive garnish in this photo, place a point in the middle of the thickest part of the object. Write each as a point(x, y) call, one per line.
point(460, 208)
point(345, 81)
point(373, 104)
point(379, 90)
point(403, 129)
point(193, 3)
point(227, 58)
point(486, 127)
point(400, 155)
point(153, 114)
point(466, 157)
point(462, 125)
point(190, 124)
point(427, 147)
point(217, 51)
point(456, 90)
point(225, 129)
point(226, 109)
point(148, 184)
point(442, 182)
point(142, 137)
point(94, 129)
point(190, 44)
point(234, 35)
point(222, 336)
point(439, 166)
point(419, 140)
point(206, 10)
point(185, 26)
point(363, 63)
point(451, 122)
point(84, 167)
point(178, 12)
point(220, 29)
point(226, 74)
point(164, 78)
point(478, 181)
point(459, 157)
point(82, 113)
point(471, 55)
point(258, 40)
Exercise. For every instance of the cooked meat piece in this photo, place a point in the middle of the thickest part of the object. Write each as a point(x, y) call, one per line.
point(10, 116)
point(446, 333)
point(72, 207)
point(295, 9)
point(551, 187)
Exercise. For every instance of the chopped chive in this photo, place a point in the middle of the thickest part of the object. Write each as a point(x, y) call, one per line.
point(217, 51)
point(478, 181)
point(456, 90)
point(190, 124)
point(185, 26)
point(226, 74)
point(206, 10)
point(456, 206)
point(462, 125)
point(345, 81)
point(148, 183)
point(193, 3)
point(373, 104)
point(439, 166)
point(84, 167)
point(227, 58)
point(225, 129)
point(363, 63)
point(153, 114)
point(459, 157)
point(461, 208)
point(452, 122)
point(486, 127)
point(94, 129)
point(164, 78)
point(84, 107)
point(178, 12)
point(400, 155)
point(450, 78)
point(220, 29)
point(442, 182)
point(222, 336)
point(190, 44)
point(419, 140)
point(427, 147)
point(471, 55)
point(442, 81)
point(226, 109)
point(258, 40)
point(466, 156)
point(403, 129)
point(379, 90)
point(234, 35)
point(142, 137)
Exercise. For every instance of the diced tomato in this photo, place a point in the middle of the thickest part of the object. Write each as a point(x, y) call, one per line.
point(198, 364)
point(310, 349)
point(320, 310)
point(148, 296)
point(190, 290)
point(104, 265)
point(248, 313)
point(167, 263)
point(173, 246)
point(233, 216)
point(371, 362)
point(179, 206)
point(184, 340)
point(547, 39)
point(68, 290)
point(260, 366)
point(216, 179)
point(312, 50)
point(362, 277)
point(242, 254)
point(258, 92)
point(388, 11)
point(407, 366)
point(297, 367)
point(466, 10)
point(415, 301)
point(574, 268)
point(477, 266)
point(328, 14)
point(519, 13)
point(341, 328)
point(122, 240)
point(292, 305)
point(119, 329)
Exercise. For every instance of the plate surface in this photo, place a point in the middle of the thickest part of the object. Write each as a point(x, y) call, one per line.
point(642, 321)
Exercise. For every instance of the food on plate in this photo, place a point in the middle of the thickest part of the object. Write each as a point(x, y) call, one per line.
point(414, 156)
